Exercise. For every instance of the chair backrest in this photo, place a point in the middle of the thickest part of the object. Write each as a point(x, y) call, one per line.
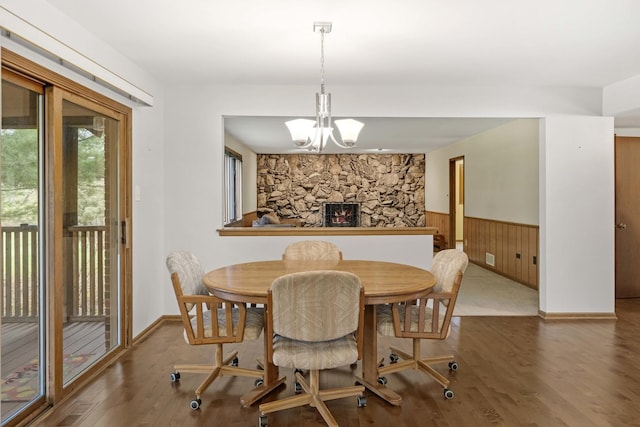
point(445, 266)
point(423, 318)
point(316, 305)
point(189, 271)
point(312, 250)
point(213, 321)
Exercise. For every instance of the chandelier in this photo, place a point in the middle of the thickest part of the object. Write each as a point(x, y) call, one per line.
point(314, 134)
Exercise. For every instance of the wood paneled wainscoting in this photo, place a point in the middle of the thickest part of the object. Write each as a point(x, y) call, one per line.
point(512, 248)
point(439, 221)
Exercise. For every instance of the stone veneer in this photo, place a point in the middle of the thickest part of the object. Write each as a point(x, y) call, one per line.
point(389, 187)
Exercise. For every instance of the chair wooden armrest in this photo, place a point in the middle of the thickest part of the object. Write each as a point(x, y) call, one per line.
point(419, 320)
point(219, 333)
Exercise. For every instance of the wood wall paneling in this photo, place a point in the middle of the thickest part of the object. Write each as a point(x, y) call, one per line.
point(533, 256)
point(514, 247)
point(511, 250)
point(500, 237)
point(440, 221)
point(525, 264)
point(493, 238)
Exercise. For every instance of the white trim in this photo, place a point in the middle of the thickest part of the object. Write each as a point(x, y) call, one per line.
point(38, 40)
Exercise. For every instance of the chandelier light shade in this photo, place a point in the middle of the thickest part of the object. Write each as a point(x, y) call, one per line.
point(314, 134)
point(300, 130)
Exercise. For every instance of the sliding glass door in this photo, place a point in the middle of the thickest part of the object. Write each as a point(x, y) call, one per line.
point(90, 227)
point(66, 255)
point(22, 338)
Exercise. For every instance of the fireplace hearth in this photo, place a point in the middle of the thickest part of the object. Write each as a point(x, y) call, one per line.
point(341, 214)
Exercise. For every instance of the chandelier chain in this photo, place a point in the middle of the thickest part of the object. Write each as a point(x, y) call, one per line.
point(314, 134)
point(322, 60)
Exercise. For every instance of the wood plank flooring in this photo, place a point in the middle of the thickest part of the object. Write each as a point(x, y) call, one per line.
point(20, 348)
point(514, 371)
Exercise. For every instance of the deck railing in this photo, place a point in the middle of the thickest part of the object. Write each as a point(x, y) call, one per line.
point(87, 283)
point(20, 272)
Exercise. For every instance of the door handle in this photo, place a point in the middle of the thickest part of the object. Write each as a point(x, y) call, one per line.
point(621, 226)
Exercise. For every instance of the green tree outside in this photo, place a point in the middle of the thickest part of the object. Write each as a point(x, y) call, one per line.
point(19, 189)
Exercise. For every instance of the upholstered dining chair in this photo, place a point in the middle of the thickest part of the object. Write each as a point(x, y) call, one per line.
point(315, 319)
point(213, 322)
point(426, 318)
point(312, 250)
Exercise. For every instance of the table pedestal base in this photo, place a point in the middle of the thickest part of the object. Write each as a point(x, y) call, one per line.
point(259, 392)
point(381, 391)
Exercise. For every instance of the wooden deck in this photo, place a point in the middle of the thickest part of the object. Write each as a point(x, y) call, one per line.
point(84, 344)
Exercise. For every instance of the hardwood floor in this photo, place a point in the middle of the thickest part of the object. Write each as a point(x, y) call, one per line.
point(514, 371)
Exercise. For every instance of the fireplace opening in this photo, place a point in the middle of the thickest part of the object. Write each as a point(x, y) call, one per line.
point(341, 214)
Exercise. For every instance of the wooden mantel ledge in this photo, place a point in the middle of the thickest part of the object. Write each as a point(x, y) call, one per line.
point(326, 231)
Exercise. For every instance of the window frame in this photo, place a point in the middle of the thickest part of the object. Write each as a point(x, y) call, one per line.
point(232, 186)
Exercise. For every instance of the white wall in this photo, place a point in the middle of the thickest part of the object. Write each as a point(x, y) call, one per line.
point(44, 23)
point(194, 213)
point(149, 271)
point(500, 171)
point(563, 182)
point(628, 132)
point(577, 215)
point(416, 250)
point(178, 168)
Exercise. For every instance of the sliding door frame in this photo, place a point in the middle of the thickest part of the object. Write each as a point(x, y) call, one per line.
point(55, 392)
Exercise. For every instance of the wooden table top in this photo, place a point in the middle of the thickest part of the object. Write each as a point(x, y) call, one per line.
point(383, 282)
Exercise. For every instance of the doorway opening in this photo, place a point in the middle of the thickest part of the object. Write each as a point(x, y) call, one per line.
point(456, 203)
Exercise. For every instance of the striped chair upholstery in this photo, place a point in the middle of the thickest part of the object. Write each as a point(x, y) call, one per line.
point(316, 319)
point(312, 250)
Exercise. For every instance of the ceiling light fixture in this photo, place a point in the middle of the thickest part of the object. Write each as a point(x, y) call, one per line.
point(313, 134)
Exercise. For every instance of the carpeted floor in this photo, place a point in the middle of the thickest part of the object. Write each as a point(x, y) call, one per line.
point(484, 293)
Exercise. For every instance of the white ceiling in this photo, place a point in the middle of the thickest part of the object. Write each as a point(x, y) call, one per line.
point(571, 43)
point(400, 135)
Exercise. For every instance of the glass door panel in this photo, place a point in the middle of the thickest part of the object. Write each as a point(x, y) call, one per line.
point(22, 323)
point(90, 233)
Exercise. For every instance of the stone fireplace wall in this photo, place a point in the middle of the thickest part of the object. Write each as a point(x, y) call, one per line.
point(389, 187)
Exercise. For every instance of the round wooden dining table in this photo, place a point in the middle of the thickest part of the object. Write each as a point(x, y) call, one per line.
point(383, 282)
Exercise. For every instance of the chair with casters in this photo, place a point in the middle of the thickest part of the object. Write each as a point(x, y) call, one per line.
point(315, 319)
point(213, 322)
point(312, 250)
point(426, 318)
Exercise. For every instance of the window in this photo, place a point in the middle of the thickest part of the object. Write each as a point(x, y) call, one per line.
point(232, 186)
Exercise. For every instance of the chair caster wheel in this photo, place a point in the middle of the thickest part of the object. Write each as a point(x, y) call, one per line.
point(362, 401)
point(234, 362)
point(175, 376)
point(262, 421)
point(393, 358)
point(297, 388)
point(448, 394)
point(453, 365)
point(382, 380)
point(195, 403)
point(258, 382)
